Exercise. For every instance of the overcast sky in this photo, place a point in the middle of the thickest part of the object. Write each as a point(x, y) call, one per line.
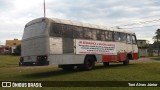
point(14, 14)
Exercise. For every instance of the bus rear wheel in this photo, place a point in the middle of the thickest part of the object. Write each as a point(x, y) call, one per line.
point(89, 63)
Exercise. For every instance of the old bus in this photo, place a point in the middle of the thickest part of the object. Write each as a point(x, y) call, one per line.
point(72, 44)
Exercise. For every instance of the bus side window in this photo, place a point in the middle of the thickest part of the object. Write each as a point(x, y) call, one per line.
point(67, 31)
point(123, 37)
point(134, 40)
point(117, 36)
point(106, 35)
point(56, 30)
point(110, 35)
point(98, 35)
point(94, 34)
point(101, 35)
point(87, 33)
point(129, 39)
point(78, 32)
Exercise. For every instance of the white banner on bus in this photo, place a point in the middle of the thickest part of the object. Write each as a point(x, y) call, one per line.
point(95, 47)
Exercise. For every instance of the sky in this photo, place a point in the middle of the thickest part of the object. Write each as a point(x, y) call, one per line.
point(14, 14)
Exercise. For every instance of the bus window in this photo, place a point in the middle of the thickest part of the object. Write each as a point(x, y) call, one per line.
point(78, 32)
point(110, 36)
point(87, 33)
point(94, 34)
point(106, 35)
point(101, 35)
point(134, 39)
point(129, 39)
point(67, 31)
point(117, 36)
point(123, 37)
point(98, 35)
point(56, 30)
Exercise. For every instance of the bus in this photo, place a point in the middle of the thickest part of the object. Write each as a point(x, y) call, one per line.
point(71, 44)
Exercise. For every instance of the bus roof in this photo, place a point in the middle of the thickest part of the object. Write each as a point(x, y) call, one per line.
point(75, 23)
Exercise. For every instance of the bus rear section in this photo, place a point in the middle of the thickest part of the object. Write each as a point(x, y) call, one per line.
point(35, 43)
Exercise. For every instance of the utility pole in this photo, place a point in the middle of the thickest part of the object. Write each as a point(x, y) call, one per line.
point(44, 9)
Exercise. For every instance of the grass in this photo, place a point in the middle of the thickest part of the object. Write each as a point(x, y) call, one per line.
point(10, 71)
point(133, 72)
point(8, 61)
point(155, 58)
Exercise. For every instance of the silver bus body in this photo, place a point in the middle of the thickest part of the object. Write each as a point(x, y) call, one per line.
point(40, 46)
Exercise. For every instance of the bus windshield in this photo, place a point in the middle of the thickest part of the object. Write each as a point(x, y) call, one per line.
point(34, 30)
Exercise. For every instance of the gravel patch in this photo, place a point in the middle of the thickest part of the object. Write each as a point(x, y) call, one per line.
point(144, 60)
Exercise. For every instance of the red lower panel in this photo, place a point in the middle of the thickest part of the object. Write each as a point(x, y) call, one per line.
point(110, 58)
point(135, 56)
point(119, 57)
point(122, 56)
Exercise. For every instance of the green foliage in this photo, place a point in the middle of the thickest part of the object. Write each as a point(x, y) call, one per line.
point(154, 45)
point(157, 36)
point(18, 50)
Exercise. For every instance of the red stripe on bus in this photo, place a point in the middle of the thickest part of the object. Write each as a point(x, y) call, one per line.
point(135, 56)
point(109, 58)
point(122, 56)
point(119, 57)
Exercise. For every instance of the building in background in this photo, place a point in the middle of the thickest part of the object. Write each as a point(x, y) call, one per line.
point(12, 44)
point(2, 49)
point(143, 47)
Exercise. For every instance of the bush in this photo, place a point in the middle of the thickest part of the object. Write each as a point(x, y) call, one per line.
point(18, 50)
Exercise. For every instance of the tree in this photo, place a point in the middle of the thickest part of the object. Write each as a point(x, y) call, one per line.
point(18, 50)
point(157, 39)
point(157, 36)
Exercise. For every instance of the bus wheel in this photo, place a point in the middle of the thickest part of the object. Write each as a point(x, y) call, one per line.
point(89, 63)
point(126, 62)
point(106, 64)
point(67, 67)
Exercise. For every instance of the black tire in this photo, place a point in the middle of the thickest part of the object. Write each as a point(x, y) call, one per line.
point(126, 62)
point(89, 63)
point(68, 67)
point(106, 64)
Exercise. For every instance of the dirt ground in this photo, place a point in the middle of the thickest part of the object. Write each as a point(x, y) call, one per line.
point(144, 60)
